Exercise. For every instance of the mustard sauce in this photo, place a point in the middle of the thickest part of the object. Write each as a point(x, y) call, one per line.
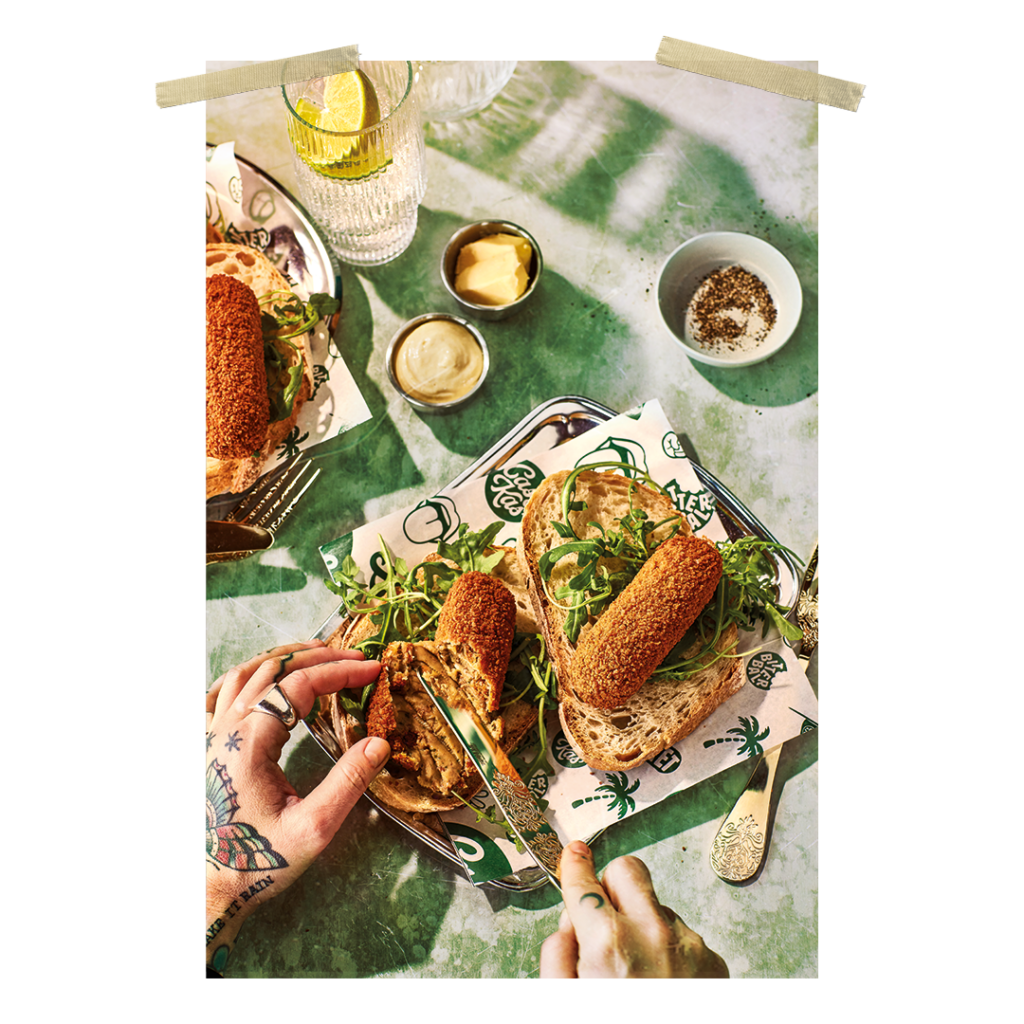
point(439, 361)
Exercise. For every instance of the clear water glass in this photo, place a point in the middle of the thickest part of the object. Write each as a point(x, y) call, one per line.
point(453, 89)
point(363, 188)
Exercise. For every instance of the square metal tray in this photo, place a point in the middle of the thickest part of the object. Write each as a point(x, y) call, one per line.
point(549, 425)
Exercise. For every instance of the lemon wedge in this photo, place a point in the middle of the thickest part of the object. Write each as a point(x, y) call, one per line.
point(308, 111)
point(350, 105)
point(352, 102)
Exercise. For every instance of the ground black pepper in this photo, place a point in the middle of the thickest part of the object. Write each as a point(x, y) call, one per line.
point(731, 308)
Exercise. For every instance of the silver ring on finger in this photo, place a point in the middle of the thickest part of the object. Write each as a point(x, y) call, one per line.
point(273, 702)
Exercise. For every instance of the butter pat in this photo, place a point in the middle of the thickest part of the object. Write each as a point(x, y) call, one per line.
point(491, 245)
point(492, 271)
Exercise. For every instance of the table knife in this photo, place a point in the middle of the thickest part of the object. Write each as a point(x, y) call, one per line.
point(231, 542)
point(502, 780)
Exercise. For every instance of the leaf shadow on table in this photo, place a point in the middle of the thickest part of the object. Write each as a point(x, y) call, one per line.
point(710, 800)
point(366, 906)
point(610, 140)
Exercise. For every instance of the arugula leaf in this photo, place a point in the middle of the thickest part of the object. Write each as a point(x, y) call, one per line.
point(751, 573)
point(405, 604)
point(491, 815)
point(281, 319)
point(789, 631)
point(745, 595)
point(540, 687)
point(590, 590)
point(469, 550)
point(324, 305)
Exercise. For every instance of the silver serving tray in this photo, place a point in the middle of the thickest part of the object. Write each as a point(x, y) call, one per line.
point(549, 425)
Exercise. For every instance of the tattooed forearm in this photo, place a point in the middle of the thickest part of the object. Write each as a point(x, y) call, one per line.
point(223, 929)
point(236, 906)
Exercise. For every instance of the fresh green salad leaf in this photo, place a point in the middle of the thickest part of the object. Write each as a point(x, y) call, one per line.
point(469, 550)
point(745, 594)
point(595, 586)
point(285, 312)
point(405, 604)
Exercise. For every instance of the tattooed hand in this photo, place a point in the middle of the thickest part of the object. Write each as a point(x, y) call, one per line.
point(260, 834)
point(616, 928)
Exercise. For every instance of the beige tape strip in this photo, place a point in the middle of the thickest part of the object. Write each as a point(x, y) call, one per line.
point(267, 75)
point(762, 74)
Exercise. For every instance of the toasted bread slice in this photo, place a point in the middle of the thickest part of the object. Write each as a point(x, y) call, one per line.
point(659, 713)
point(609, 497)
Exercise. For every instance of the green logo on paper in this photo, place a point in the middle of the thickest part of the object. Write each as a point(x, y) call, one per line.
point(508, 488)
point(481, 855)
point(616, 449)
point(667, 761)
point(563, 753)
point(616, 790)
point(763, 668)
point(747, 735)
point(672, 447)
point(433, 519)
point(697, 506)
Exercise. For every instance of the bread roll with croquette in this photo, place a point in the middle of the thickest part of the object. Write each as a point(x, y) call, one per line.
point(614, 714)
point(428, 769)
point(633, 636)
point(243, 430)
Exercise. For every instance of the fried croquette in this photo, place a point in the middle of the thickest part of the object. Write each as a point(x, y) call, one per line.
point(481, 611)
point(651, 615)
point(471, 651)
point(237, 406)
point(401, 711)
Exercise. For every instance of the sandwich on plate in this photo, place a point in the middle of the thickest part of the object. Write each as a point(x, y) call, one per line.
point(259, 365)
point(462, 618)
point(609, 608)
point(639, 616)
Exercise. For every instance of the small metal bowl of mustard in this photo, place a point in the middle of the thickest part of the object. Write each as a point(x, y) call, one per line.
point(437, 362)
point(491, 268)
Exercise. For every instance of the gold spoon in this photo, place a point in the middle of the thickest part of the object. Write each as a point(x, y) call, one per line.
point(741, 843)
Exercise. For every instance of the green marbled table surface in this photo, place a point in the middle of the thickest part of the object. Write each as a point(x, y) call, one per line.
point(610, 166)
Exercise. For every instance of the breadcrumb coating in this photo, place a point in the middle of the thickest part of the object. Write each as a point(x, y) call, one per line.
point(471, 651)
point(639, 628)
point(237, 406)
point(481, 611)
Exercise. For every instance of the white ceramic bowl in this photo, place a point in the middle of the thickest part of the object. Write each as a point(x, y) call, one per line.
point(694, 260)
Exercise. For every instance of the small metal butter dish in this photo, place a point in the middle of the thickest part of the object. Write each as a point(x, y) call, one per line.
point(473, 233)
point(437, 368)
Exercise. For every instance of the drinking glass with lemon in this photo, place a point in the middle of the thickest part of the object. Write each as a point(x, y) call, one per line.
point(357, 141)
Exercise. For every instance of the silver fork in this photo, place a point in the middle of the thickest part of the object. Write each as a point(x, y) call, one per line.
point(251, 525)
point(741, 844)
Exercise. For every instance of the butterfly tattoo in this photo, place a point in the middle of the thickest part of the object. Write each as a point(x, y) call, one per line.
point(230, 843)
